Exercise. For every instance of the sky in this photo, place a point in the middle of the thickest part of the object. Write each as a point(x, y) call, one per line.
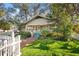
point(17, 10)
point(43, 6)
point(14, 11)
point(8, 5)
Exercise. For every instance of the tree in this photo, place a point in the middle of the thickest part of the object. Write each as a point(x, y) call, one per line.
point(65, 14)
point(2, 12)
point(21, 27)
point(23, 8)
point(4, 25)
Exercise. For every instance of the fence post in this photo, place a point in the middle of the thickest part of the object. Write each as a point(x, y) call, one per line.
point(13, 39)
point(19, 45)
point(0, 47)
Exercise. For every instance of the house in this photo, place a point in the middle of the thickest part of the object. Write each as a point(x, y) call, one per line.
point(37, 23)
point(9, 44)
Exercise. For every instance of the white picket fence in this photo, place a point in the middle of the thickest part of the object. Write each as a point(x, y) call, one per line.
point(9, 44)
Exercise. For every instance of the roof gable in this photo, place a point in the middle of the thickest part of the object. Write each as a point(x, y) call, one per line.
point(36, 17)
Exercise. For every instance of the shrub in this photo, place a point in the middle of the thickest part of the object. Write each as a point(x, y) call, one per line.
point(55, 35)
point(25, 35)
point(76, 28)
point(44, 33)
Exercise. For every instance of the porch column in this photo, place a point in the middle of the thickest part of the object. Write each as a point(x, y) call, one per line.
point(17, 47)
point(33, 28)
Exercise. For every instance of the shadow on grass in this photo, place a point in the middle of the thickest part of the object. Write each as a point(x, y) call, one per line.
point(75, 50)
point(42, 47)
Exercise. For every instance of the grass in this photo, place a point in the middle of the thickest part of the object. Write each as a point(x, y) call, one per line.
point(50, 47)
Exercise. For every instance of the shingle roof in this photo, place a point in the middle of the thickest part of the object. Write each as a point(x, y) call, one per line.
point(35, 17)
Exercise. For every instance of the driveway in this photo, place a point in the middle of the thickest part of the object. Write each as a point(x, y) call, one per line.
point(27, 41)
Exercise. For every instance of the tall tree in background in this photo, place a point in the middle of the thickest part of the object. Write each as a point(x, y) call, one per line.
point(2, 12)
point(38, 8)
point(23, 8)
point(65, 13)
point(4, 25)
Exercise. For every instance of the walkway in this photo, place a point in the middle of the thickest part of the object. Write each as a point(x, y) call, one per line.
point(26, 41)
point(75, 36)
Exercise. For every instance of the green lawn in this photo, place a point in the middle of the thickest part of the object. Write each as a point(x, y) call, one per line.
point(50, 47)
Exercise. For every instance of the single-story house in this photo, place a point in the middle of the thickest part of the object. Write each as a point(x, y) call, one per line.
point(37, 23)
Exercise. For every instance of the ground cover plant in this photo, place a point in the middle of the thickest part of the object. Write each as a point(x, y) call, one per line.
point(51, 47)
point(25, 35)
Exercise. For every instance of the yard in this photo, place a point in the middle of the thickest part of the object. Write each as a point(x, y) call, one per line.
point(49, 31)
point(51, 47)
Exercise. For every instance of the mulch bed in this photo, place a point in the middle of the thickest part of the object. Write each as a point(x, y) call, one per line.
point(26, 41)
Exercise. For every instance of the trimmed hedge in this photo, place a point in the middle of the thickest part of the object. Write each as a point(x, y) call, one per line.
point(25, 35)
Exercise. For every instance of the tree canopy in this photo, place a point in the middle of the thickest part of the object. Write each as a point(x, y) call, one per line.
point(2, 12)
point(65, 13)
point(4, 25)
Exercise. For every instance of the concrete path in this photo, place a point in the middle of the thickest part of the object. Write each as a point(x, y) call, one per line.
point(26, 41)
point(75, 36)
